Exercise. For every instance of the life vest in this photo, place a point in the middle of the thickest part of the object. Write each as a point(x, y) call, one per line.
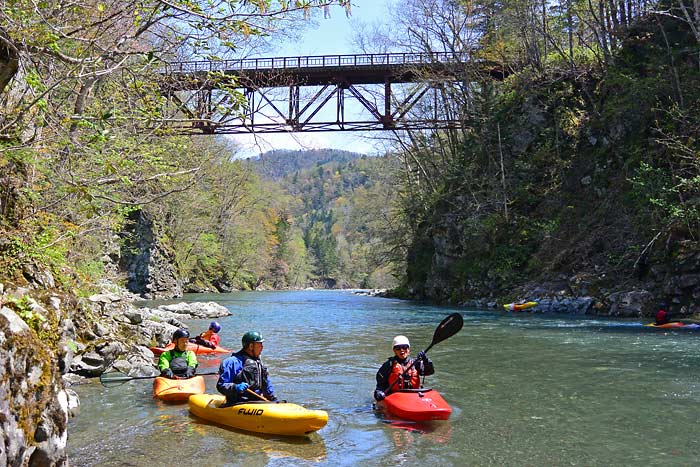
point(254, 372)
point(210, 336)
point(178, 363)
point(208, 339)
point(406, 379)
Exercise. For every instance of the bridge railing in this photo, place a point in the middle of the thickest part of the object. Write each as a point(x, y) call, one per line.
point(316, 61)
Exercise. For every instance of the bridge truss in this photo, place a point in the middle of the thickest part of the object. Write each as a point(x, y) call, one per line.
point(399, 91)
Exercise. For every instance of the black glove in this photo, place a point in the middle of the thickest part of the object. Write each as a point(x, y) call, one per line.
point(379, 395)
point(167, 373)
point(190, 372)
point(422, 357)
point(271, 398)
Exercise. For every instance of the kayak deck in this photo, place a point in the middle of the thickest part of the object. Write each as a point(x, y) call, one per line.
point(519, 306)
point(417, 405)
point(261, 417)
point(177, 390)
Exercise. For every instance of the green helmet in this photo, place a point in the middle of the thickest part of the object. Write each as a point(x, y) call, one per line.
point(251, 336)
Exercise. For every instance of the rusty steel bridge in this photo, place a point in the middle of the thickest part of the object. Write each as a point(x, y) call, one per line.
point(297, 94)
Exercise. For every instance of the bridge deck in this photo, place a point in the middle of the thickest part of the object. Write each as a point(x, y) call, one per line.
point(320, 70)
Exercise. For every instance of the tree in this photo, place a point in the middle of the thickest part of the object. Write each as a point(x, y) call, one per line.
point(82, 112)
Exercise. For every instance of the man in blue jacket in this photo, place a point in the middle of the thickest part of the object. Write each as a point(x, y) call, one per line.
point(244, 371)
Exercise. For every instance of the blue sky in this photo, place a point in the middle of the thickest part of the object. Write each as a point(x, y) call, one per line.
point(323, 36)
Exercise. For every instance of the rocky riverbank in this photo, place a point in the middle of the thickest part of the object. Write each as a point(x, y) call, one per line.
point(50, 339)
point(674, 283)
point(121, 335)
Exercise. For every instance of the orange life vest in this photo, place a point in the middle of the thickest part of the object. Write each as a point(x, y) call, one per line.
point(407, 380)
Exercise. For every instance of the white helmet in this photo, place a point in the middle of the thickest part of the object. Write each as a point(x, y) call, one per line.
point(400, 340)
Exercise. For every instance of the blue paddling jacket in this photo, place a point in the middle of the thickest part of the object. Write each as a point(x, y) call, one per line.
point(242, 368)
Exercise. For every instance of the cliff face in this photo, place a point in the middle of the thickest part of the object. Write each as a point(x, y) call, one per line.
point(601, 201)
point(147, 260)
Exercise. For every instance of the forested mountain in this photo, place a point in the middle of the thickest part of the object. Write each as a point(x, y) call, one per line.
point(98, 186)
point(321, 226)
point(278, 163)
point(343, 209)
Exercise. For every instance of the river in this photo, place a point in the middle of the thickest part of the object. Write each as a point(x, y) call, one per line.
point(526, 389)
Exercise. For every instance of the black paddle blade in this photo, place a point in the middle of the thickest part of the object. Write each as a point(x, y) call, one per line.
point(447, 328)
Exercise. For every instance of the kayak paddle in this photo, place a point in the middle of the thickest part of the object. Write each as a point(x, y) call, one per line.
point(447, 328)
point(257, 395)
point(116, 377)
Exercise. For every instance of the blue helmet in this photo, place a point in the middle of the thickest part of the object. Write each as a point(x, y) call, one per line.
point(214, 326)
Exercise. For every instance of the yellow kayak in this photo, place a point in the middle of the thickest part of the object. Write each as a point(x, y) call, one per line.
point(261, 417)
point(519, 306)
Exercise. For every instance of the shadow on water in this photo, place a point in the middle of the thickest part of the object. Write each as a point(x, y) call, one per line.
point(437, 431)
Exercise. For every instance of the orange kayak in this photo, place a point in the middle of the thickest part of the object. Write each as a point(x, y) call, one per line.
point(196, 348)
point(177, 390)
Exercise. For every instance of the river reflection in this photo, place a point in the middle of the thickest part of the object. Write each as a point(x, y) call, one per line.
point(311, 448)
point(525, 390)
point(405, 434)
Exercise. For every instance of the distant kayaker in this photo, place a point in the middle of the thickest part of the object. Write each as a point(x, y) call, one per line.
point(397, 373)
point(208, 338)
point(662, 316)
point(178, 362)
point(244, 371)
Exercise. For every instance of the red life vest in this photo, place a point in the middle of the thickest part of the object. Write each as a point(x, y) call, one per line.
point(210, 336)
point(215, 339)
point(398, 372)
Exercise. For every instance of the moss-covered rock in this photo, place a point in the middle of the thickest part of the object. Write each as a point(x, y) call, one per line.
point(34, 405)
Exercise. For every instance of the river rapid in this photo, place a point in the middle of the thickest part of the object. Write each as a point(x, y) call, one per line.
point(525, 389)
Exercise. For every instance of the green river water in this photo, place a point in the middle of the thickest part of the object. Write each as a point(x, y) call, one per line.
point(526, 390)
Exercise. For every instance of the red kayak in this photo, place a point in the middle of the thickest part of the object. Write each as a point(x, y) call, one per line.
point(196, 348)
point(418, 405)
